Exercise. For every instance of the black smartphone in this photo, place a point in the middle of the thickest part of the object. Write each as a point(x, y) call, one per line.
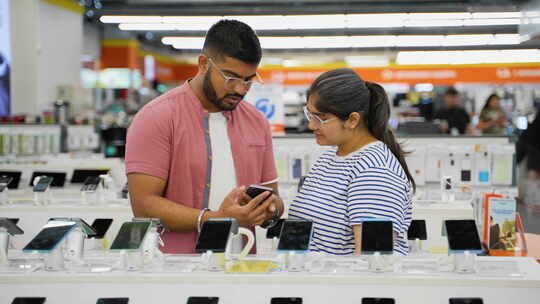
point(130, 236)
point(275, 230)
point(378, 301)
point(254, 190)
point(112, 301)
point(50, 236)
point(15, 178)
point(286, 300)
point(101, 226)
point(295, 235)
point(58, 178)
point(14, 220)
point(91, 184)
point(203, 300)
point(5, 181)
point(417, 230)
point(377, 236)
point(466, 301)
point(462, 236)
point(32, 300)
point(43, 183)
point(81, 175)
point(10, 226)
point(214, 236)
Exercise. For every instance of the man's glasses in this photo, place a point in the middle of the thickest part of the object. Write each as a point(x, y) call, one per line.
point(232, 83)
point(316, 119)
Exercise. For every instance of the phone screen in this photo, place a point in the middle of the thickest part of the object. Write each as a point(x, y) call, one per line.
point(417, 230)
point(58, 178)
point(50, 236)
point(295, 235)
point(254, 190)
point(214, 236)
point(203, 300)
point(81, 175)
point(377, 236)
point(10, 226)
point(463, 235)
point(130, 236)
point(274, 231)
point(16, 178)
point(101, 226)
point(466, 301)
point(378, 301)
point(5, 180)
point(43, 184)
point(286, 301)
point(112, 301)
point(28, 300)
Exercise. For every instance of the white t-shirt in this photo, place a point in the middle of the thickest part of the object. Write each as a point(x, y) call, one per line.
point(223, 176)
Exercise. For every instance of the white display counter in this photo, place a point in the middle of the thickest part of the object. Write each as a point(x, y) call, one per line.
point(143, 288)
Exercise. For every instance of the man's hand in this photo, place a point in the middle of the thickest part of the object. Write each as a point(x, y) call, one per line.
point(248, 212)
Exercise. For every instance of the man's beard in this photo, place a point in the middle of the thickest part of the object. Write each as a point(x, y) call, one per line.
point(211, 95)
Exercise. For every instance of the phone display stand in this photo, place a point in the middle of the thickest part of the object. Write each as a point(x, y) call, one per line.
point(130, 260)
point(465, 262)
point(213, 261)
point(415, 247)
point(152, 256)
point(75, 245)
point(377, 262)
point(4, 245)
point(54, 260)
point(295, 261)
point(95, 197)
point(42, 198)
point(109, 189)
point(4, 196)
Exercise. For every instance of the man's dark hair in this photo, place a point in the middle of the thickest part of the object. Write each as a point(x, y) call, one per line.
point(234, 39)
point(451, 91)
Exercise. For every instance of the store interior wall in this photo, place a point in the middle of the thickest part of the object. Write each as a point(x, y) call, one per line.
point(48, 40)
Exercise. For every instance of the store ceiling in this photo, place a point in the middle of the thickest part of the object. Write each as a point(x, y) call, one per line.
point(306, 7)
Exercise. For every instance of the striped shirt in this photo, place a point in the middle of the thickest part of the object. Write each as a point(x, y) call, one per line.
point(340, 192)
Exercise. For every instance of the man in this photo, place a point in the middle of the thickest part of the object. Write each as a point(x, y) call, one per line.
point(453, 116)
point(188, 148)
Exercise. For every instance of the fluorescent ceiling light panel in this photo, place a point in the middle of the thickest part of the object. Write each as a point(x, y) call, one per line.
point(375, 20)
point(468, 57)
point(480, 22)
point(420, 40)
point(367, 61)
point(496, 15)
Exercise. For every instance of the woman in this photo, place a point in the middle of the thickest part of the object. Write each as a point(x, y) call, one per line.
point(364, 176)
point(492, 118)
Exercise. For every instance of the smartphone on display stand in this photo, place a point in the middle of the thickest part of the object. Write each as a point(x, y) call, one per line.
point(466, 301)
point(377, 236)
point(10, 226)
point(203, 300)
point(29, 300)
point(50, 236)
point(15, 178)
point(295, 235)
point(43, 184)
point(275, 230)
point(101, 226)
point(130, 236)
point(417, 230)
point(214, 235)
point(87, 229)
point(284, 300)
point(254, 190)
point(4, 182)
point(112, 301)
point(91, 184)
point(58, 178)
point(378, 301)
point(81, 175)
point(462, 236)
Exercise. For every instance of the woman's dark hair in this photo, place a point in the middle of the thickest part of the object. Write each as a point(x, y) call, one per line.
point(488, 101)
point(342, 92)
point(234, 39)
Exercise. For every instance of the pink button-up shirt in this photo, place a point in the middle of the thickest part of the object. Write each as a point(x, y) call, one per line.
point(169, 139)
